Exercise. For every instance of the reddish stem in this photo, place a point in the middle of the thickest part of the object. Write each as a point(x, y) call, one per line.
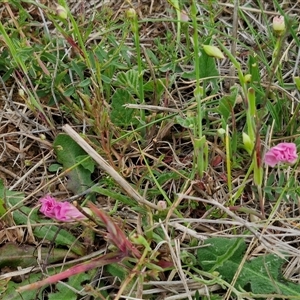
point(81, 268)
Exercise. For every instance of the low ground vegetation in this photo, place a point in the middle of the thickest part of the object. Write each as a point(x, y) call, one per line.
point(149, 150)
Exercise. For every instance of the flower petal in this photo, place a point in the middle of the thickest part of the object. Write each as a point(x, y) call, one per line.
point(283, 152)
point(61, 211)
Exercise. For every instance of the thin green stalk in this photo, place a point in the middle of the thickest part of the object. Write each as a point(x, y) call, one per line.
point(237, 66)
point(136, 37)
point(200, 140)
point(198, 91)
point(228, 164)
point(78, 35)
point(175, 4)
point(243, 184)
point(251, 115)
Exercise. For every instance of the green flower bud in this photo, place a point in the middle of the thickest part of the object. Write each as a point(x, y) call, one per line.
point(248, 144)
point(27, 162)
point(61, 12)
point(140, 240)
point(88, 211)
point(247, 78)
point(42, 137)
point(213, 51)
point(221, 132)
point(131, 13)
point(21, 93)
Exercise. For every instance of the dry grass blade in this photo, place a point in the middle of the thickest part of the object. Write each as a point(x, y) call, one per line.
point(107, 168)
point(269, 242)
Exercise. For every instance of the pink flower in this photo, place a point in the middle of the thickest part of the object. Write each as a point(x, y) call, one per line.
point(61, 211)
point(283, 152)
point(48, 205)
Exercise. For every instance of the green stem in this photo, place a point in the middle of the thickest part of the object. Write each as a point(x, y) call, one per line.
point(228, 164)
point(200, 141)
point(135, 30)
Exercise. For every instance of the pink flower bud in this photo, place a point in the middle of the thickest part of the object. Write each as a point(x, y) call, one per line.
point(162, 205)
point(278, 24)
point(184, 17)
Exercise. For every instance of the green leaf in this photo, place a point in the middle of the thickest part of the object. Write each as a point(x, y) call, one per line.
point(130, 81)
point(65, 293)
point(261, 275)
point(281, 179)
point(13, 255)
point(78, 68)
point(207, 65)
point(114, 195)
point(227, 104)
point(157, 86)
point(207, 68)
point(119, 197)
point(61, 237)
point(191, 75)
point(2, 207)
point(67, 151)
point(59, 77)
point(116, 271)
point(270, 179)
point(254, 70)
point(54, 167)
point(164, 177)
point(106, 79)
point(264, 275)
point(188, 122)
point(171, 66)
point(87, 162)
point(6, 195)
point(85, 82)
point(212, 260)
point(120, 115)
point(12, 294)
point(70, 91)
point(152, 56)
